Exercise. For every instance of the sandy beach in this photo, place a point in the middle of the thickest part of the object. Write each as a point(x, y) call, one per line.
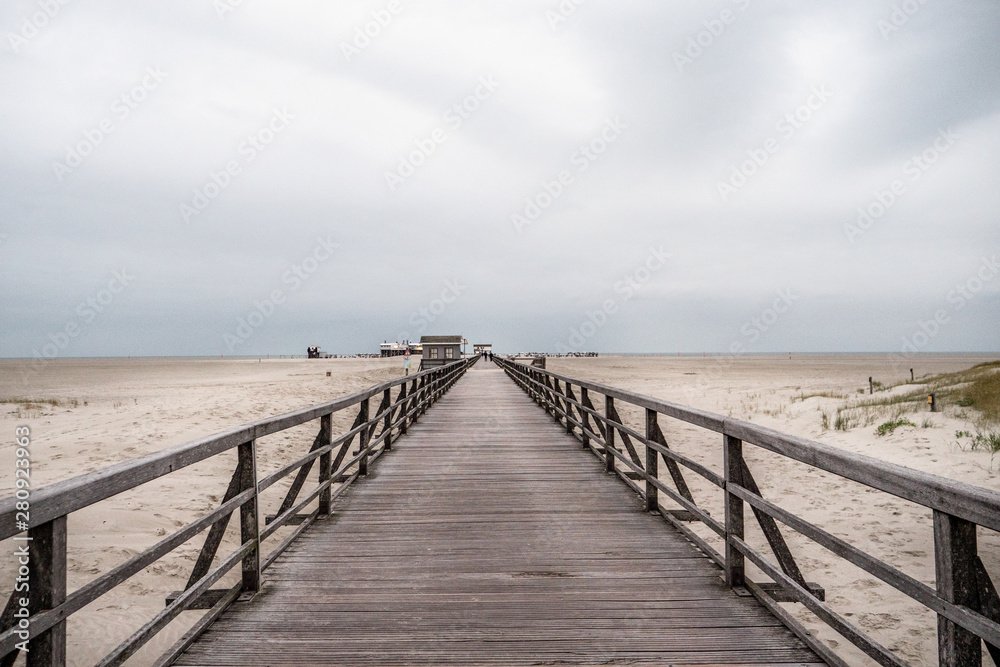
point(110, 410)
point(769, 390)
point(88, 414)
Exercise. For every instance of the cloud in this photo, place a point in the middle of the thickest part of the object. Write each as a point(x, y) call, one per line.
point(353, 118)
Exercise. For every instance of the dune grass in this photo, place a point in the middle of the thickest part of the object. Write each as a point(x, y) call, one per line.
point(888, 427)
point(983, 394)
point(977, 387)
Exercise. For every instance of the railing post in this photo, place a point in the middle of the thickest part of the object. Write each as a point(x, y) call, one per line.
point(652, 463)
point(411, 401)
point(585, 416)
point(424, 390)
point(366, 433)
point(733, 461)
point(404, 401)
point(955, 551)
point(387, 424)
point(325, 464)
point(249, 526)
point(609, 437)
point(568, 406)
point(47, 578)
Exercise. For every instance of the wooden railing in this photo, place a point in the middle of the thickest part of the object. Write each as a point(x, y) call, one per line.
point(965, 599)
point(49, 605)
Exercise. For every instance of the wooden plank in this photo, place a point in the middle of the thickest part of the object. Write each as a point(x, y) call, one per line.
point(249, 511)
point(955, 566)
point(975, 504)
point(486, 537)
point(771, 531)
point(68, 496)
point(211, 546)
point(989, 604)
point(47, 575)
point(733, 463)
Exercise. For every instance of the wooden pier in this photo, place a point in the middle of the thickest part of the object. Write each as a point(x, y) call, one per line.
point(463, 521)
point(489, 538)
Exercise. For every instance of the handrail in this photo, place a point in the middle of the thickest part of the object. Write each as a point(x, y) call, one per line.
point(49, 605)
point(964, 599)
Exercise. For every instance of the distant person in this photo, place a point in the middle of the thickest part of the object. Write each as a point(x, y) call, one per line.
point(491, 356)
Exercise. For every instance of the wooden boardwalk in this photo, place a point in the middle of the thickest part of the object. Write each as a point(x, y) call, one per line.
point(489, 537)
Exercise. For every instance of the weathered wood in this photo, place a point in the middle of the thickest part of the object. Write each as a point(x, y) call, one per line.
point(585, 419)
point(656, 435)
point(47, 574)
point(182, 644)
point(872, 648)
point(383, 408)
point(206, 600)
point(609, 436)
point(388, 424)
point(817, 645)
point(597, 422)
point(325, 464)
point(976, 504)
point(732, 457)
point(906, 584)
point(989, 604)
point(321, 440)
point(68, 496)
point(217, 531)
point(487, 539)
point(138, 639)
point(6, 623)
point(249, 511)
point(404, 401)
point(365, 438)
point(571, 398)
point(652, 499)
point(778, 594)
point(955, 555)
point(626, 440)
point(770, 529)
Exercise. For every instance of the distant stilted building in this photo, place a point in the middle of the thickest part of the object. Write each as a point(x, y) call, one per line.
point(393, 349)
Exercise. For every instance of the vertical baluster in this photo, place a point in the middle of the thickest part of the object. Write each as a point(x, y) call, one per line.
point(652, 462)
point(249, 526)
point(955, 552)
point(366, 433)
point(733, 459)
point(403, 401)
point(569, 407)
point(585, 416)
point(609, 437)
point(325, 464)
point(387, 424)
point(47, 576)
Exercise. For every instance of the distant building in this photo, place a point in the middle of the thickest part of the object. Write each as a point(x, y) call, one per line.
point(316, 353)
point(479, 348)
point(393, 349)
point(440, 350)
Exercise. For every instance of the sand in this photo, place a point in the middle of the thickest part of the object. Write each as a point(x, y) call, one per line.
point(126, 408)
point(765, 390)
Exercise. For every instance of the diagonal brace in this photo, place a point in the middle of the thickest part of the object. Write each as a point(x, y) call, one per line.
point(771, 531)
point(989, 603)
point(675, 470)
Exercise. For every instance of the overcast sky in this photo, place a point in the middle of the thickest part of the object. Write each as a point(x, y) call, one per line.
point(253, 177)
